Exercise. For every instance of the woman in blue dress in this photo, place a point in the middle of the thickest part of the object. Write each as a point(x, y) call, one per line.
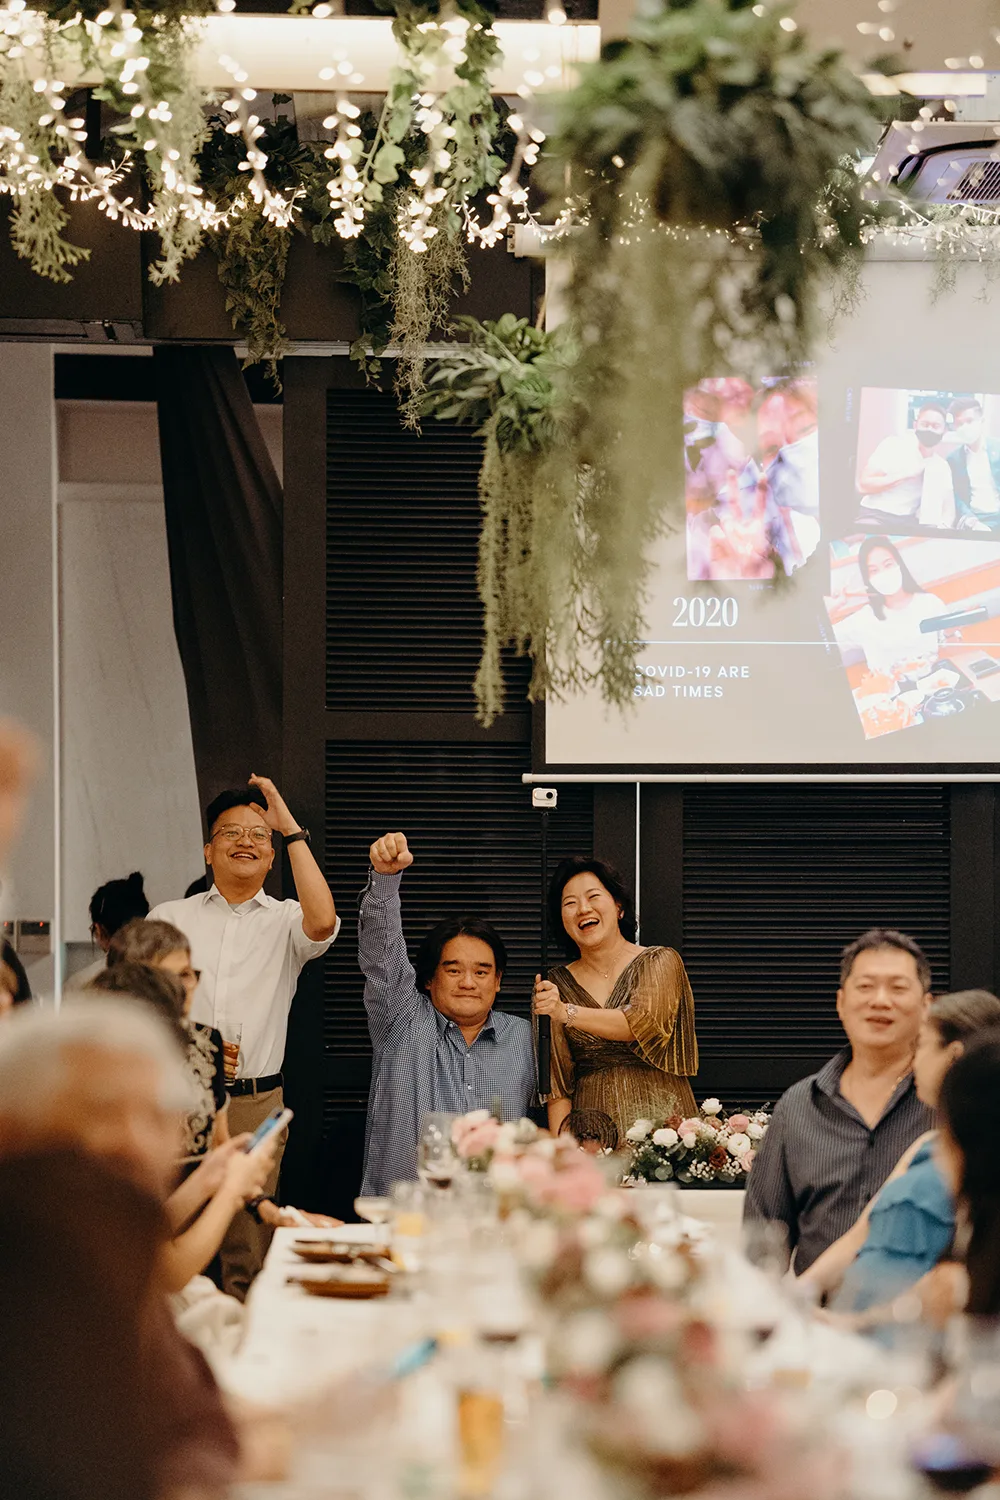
point(908, 1227)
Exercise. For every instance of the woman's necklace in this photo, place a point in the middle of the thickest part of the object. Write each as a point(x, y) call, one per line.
point(595, 969)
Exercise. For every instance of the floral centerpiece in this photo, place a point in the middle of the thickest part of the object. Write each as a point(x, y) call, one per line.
point(712, 1148)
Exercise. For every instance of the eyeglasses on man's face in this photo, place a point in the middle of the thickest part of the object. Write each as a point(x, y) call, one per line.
point(232, 833)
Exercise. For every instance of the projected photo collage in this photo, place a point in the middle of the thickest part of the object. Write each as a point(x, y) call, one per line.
point(913, 530)
point(915, 595)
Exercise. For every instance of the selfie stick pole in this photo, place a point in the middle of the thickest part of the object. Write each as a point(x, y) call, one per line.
point(544, 798)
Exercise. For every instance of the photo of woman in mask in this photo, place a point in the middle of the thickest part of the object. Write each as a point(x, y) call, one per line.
point(887, 628)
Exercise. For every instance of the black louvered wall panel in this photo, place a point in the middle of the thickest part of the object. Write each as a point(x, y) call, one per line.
point(776, 881)
point(476, 844)
point(404, 621)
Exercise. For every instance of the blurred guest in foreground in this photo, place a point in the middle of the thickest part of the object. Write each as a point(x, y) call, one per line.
point(73, 1293)
point(835, 1136)
point(910, 1226)
point(104, 1079)
point(111, 906)
point(968, 1156)
point(623, 1038)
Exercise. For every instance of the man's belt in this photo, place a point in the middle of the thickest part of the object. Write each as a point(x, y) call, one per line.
point(240, 1087)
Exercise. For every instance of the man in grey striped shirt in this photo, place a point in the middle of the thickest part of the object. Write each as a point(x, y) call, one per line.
point(837, 1135)
point(438, 1042)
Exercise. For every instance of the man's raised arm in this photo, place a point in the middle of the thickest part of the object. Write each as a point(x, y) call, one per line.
point(390, 983)
point(319, 914)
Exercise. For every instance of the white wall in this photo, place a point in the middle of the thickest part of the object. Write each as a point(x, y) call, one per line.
point(27, 676)
point(129, 795)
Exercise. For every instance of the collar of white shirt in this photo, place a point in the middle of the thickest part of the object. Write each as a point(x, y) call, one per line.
point(214, 894)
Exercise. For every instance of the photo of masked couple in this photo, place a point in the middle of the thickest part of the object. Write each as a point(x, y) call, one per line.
point(928, 460)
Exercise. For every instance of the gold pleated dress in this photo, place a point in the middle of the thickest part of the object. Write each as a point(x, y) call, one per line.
point(646, 1078)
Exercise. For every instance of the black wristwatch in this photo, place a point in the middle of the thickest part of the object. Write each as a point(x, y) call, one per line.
point(293, 838)
point(253, 1205)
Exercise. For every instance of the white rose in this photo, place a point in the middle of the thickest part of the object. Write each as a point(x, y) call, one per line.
point(639, 1131)
point(689, 1141)
point(755, 1131)
point(711, 1107)
point(507, 1138)
point(665, 1137)
point(738, 1145)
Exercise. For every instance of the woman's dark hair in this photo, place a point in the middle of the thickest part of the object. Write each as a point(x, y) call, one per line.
point(579, 864)
point(964, 1014)
point(430, 950)
point(882, 544)
point(146, 943)
point(591, 1125)
point(117, 902)
point(968, 1110)
point(156, 987)
point(21, 989)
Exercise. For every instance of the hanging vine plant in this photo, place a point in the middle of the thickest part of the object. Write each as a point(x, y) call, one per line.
point(510, 381)
point(697, 156)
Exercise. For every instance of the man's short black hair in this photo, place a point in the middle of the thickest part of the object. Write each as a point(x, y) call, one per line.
point(931, 406)
point(236, 796)
point(885, 937)
point(962, 404)
point(430, 950)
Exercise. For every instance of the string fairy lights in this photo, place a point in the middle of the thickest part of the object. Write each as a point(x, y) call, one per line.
point(435, 137)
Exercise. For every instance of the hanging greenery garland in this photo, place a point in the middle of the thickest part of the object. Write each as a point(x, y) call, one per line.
point(697, 157)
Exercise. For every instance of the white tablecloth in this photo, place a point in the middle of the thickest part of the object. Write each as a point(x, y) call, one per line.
point(294, 1343)
point(720, 1208)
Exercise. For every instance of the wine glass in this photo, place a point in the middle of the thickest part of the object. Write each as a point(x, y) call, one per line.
point(374, 1210)
point(231, 1051)
point(436, 1159)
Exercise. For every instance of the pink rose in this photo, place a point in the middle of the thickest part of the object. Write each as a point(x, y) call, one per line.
point(738, 1124)
point(747, 1161)
point(690, 1127)
point(577, 1189)
point(477, 1141)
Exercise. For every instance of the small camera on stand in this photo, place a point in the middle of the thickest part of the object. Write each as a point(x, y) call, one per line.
point(544, 797)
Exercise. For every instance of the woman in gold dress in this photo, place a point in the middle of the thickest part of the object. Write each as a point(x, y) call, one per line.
point(623, 1038)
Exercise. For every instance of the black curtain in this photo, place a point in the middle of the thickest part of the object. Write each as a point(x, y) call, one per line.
point(223, 504)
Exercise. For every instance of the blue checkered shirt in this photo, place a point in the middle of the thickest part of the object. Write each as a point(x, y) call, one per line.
point(422, 1062)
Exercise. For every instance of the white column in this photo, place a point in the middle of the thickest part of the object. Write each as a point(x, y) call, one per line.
point(28, 663)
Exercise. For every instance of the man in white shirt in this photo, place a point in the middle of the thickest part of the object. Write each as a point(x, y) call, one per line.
point(906, 480)
point(250, 950)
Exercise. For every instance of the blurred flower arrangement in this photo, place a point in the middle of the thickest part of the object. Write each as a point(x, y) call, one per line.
point(713, 1148)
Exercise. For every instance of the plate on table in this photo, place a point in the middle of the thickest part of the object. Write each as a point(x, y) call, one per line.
point(336, 1252)
point(358, 1282)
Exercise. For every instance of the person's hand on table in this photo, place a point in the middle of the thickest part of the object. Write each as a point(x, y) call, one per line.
point(390, 855)
point(547, 1000)
point(278, 1218)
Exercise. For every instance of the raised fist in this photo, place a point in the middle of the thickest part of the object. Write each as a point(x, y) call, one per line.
point(390, 854)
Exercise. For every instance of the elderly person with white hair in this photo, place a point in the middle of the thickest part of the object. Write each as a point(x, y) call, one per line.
point(99, 1088)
